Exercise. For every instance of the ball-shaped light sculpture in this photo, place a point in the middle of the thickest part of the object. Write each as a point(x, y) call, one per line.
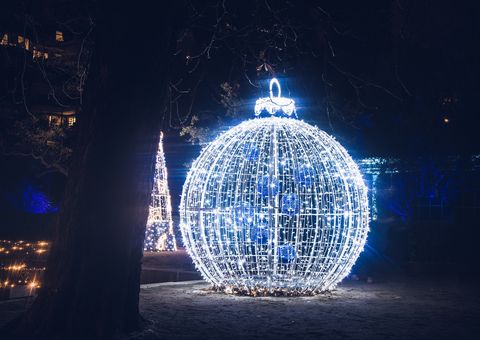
point(274, 204)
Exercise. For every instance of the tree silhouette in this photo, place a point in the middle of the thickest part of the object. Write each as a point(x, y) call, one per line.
point(92, 283)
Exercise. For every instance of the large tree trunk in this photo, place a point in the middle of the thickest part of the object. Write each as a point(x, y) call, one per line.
point(91, 287)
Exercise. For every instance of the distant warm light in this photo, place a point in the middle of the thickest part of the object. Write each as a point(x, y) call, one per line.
point(59, 36)
point(16, 267)
point(36, 54)
point(71, 121)
point(33, 284)
point(22, 267)
point(4, 40)
point(446, 120)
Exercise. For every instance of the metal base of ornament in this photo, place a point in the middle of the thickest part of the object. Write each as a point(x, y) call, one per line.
point(267, 292)
point(276, 285)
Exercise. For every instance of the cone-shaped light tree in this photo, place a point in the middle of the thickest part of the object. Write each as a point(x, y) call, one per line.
point(159, 235)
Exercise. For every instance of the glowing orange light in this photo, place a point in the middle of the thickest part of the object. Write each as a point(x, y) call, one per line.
point(16, 267)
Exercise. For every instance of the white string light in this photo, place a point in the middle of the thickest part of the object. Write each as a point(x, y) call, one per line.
point(274, 204)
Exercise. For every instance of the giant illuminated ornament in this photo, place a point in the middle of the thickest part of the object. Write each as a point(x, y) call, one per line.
point(159, 235)
point(274, 206)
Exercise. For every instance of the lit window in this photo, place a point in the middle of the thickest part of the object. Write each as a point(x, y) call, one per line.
point(54, 120)
point(71, 121)
point(45, 55)
point(27, 44)
point(58, 36)
point(4, 40)
point(37, 54)
point(20, 39)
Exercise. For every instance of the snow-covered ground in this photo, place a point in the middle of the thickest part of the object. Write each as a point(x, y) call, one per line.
point(356, 310)
point(400, 309)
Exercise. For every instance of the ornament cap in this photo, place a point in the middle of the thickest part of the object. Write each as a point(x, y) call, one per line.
point(275, 104)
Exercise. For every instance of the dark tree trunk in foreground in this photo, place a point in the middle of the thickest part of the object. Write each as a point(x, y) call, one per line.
point(92, 283)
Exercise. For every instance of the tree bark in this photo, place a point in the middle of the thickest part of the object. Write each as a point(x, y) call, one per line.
point(92, 282)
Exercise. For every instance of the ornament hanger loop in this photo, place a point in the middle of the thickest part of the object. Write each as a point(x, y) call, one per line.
point(275, 81)
point(275, 104)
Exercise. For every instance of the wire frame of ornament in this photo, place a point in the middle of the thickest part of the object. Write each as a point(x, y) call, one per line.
point(274, 205)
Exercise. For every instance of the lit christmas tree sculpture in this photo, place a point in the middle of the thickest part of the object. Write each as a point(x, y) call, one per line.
point(159, 235)
point(274, 206)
